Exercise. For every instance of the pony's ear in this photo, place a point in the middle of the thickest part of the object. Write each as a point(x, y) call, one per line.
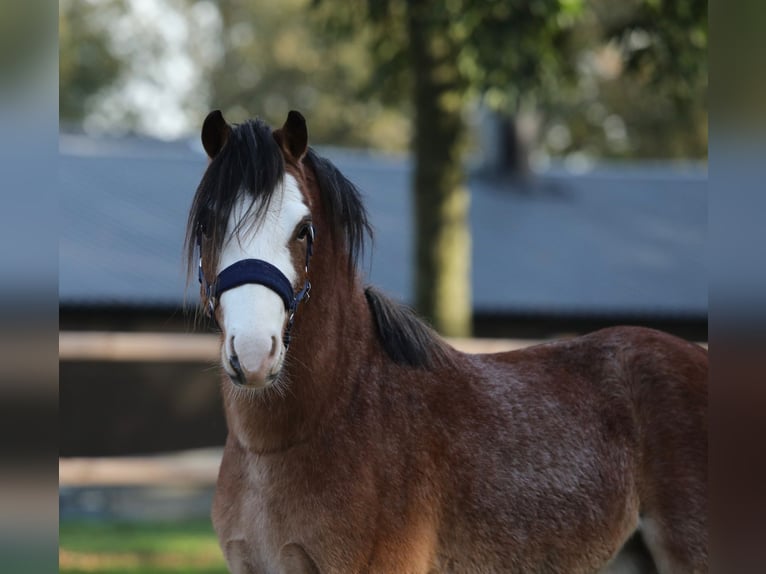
point(293, 136)
point(215, 132)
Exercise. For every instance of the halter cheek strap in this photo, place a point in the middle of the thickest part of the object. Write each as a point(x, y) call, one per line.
point(258, 272)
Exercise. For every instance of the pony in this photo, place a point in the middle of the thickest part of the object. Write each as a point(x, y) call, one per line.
point(361, 441)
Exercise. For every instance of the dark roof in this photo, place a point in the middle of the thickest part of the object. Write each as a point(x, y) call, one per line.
point(624, 240)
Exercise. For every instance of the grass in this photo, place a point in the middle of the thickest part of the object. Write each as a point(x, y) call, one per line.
point(139, 548)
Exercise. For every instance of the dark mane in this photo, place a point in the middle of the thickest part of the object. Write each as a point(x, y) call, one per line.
point(406, 338)
point(250, 162)
point(342, 203)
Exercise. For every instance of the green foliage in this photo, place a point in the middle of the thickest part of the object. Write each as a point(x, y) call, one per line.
point(86, 62)
point(285, 55)
point(505, 49)
point(139, 548)
point(664, 42)
point(603, 78)
point(641, 87)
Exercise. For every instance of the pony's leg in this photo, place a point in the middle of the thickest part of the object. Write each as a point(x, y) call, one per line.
point(633, 558)
point(677, 548)
point(235, 552)
point(295, 560)
point(673, 520)
point(670, 384)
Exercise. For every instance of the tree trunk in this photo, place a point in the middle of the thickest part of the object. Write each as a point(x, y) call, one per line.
point(443, 242)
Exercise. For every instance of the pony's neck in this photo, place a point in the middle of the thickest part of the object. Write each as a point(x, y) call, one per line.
point(331, 342)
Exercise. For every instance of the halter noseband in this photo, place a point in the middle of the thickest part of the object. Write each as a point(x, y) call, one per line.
point(258, 272)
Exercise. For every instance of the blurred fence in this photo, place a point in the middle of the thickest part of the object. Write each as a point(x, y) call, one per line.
point(180, 347)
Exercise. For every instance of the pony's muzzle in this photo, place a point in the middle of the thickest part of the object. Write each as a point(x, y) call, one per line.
point(252, 362)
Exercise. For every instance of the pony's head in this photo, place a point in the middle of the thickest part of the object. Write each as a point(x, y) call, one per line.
point(252, 226)
point(254, 231)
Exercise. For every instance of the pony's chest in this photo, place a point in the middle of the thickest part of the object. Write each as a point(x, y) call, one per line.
point(269, 521)
point(251, 527)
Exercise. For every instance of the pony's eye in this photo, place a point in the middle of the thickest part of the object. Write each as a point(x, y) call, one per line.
point(304, 231)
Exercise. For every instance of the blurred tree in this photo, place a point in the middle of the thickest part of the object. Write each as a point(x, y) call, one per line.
point(640, 62)
point(274, 60)
point(121, 61)
point(635, 88)
point(440, 55)
point(664, 46)
point(641, 88)
point(136, 66)
point(86, 62)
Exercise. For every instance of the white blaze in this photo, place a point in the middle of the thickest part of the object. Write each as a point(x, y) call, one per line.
point(252, 316)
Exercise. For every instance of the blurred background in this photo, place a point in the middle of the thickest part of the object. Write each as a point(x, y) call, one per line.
point(567, 139)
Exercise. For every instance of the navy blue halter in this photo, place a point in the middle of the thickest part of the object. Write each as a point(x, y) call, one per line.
point(258, 272)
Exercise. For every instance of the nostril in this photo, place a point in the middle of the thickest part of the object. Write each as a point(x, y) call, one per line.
point(273, 346)
point(236, 367)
